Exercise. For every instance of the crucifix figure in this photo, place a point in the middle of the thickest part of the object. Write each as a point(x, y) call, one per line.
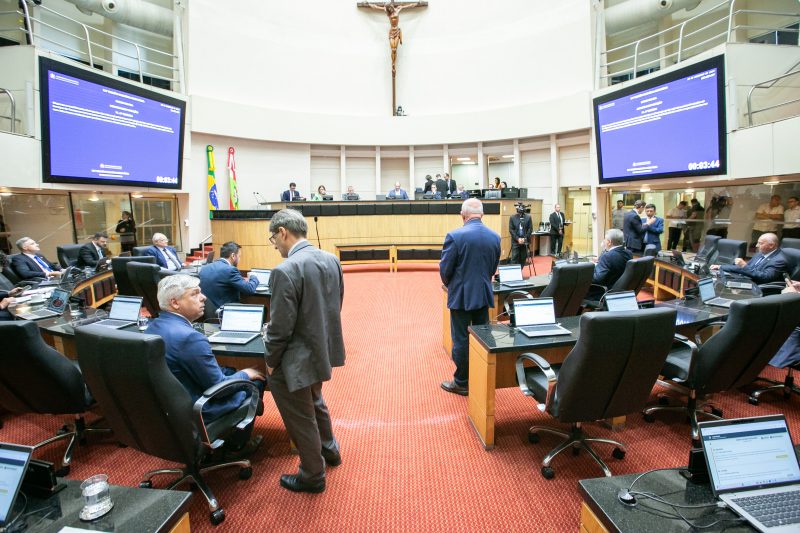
point(392, 10)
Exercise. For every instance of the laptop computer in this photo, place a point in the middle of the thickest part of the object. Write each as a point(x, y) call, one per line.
point(677, 258)
point(54, 307)
point(241, 323)
point(709, 295)
point(537, 318)
point(124, 312)
point(622, 301)
point(263, 278)
point(754, 470)
point(511, 276)
point(13, 465)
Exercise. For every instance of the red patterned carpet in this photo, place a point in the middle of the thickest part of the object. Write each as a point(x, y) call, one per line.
point(411, 461)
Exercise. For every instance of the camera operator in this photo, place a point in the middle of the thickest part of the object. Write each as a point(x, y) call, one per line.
point(520, 228)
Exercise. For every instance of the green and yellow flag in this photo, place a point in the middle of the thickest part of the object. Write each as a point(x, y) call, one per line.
point(213, 202)
point(234, 200)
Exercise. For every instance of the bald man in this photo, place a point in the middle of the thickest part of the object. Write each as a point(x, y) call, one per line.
point(766, 266)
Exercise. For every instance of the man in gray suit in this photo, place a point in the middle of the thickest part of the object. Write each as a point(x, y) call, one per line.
point(303, 342)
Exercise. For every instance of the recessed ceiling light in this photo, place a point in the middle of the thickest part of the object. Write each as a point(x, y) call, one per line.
point(508, 156)
point(463, 158)
point(772, 182)
point(6, 193)
point(645, 188)
point(689, 191)
point(137, 195)
point(468, 163)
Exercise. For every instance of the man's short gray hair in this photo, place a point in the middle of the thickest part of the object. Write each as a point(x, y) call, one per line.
point(472, 206)
point(615, 237)
point(158, 237)
point(172, 288)
point(292, 220)
point(21, 242)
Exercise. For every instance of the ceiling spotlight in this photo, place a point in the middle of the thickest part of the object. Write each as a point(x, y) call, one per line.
point(772, 182)
point(463, 158)
point(645, 188)
point(137, 195)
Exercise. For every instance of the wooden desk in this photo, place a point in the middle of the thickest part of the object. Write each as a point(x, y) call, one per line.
point(670, 280)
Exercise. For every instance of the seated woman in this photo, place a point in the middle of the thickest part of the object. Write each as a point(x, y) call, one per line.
point(317, 196)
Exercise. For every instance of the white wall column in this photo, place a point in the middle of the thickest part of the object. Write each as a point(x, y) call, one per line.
point(516, 170)
point(377, 170)
point(445, 159)
point(342, 169)
point(482, 167)
point(411, 171)
point(554, 177)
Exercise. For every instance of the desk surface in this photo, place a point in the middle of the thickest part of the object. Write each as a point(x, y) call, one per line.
point(499, 338)
point(135, 510)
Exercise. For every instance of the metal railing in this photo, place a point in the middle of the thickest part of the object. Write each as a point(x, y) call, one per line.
point(768, 84)
point(93, 51)
point(718, 20)
point(13, 116)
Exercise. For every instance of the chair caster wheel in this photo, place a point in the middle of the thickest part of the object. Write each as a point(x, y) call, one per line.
point(648, 418)
point(217, 517)
point(548, 472)
point(246, 473)
point(752, 401)
point(63, 430)
point(146, 484)
point(533, 438)
point(663, 400)
point(618, 453)
point(716, 411)
point(63, 471)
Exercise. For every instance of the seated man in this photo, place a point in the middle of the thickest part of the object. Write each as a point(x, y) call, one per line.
point(291, 194)
point(610, 265)
point(29, 264)
point(461, 193)
point(434, 194)
point(91, 252)
point(221, 282)
point(351, 194)
point(766, 266)
point(6, 299)
point(397, 193)
point(166, 256)
point(189, 357)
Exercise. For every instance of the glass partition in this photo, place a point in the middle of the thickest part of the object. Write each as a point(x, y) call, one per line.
point(44, 218)
point(99, 212)
point(156, 215)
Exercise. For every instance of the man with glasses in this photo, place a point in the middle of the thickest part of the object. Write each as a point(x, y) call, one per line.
point(166, 256)
point(91, 252)
point(30, 264)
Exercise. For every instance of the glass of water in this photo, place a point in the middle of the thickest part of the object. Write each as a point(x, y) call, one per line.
point(142, 322)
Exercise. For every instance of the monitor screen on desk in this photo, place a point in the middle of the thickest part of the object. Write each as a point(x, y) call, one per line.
point(510, 273)
point(13, 464)
point(492, 194)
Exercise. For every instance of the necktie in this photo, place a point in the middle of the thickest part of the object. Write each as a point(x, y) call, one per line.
point(42, 263)
point(758, 261)
point(172, 259)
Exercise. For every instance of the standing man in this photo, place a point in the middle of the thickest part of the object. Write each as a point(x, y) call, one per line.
point(632, 228)
point(617, 216)
point(30, 264)
point(221, 281)
point(520, 228)
point(291, 194)
point(91, 252)
point(676, 217)
point(470, 256)
point(303, 343)
point(397, 193)
point(791, 217)
point(769, 213)
point(428, 183)
point(166, 256)
point(450, 185)
point(556, 231)
point(653, 227)
point(441, 185)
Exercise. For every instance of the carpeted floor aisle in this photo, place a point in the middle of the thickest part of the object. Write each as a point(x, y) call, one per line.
point(411, 460)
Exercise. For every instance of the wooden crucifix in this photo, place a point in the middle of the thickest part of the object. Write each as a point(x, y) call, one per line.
point(392, 10)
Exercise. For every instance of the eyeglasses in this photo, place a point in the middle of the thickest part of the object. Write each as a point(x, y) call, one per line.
point(272, 237)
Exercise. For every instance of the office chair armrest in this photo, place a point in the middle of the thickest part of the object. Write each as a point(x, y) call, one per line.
point(544, 366)
point(697, 337)
point(682, 339)
point(217, 390)
point(768, 289)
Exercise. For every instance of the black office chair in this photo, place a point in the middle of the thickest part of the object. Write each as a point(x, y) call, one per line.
point(35, 378)
point(568, 287)
point(730, 358)
point(139, 250)
point(790, 242)
point(119, 266)
point(145, 277)
point(10, 273)
point(728, 250)
point(708, 251)
point(508, 303)
point(68, 254)
point(150, 411)
point(600, 378)
point(633, 278)
point(651, 250)
point(793, 259)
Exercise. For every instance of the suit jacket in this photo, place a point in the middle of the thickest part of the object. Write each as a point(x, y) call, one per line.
point(766, 271)
point(513, 228)
point(160, 260)
point(652, 233)
point(470, 256)
point(633, 231)
point(189, 358)
point(304, 337)
point(287, 196)
point(437, 195)
point(87, 256)
point(222, 283)
point(441, 187)
point(451, 189)
point(609, 269)
point(556, 222)
point(428, 184)
point(27, 268)
point(789, 353)
point(402, 195)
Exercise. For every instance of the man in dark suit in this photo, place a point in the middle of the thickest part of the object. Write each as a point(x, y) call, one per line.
point(221, 282)
point(610, 265)
point(166, 256)
point(556, 230)
point(30, 264)
point(449, 185)
point(304, 342)
point(470, 256)
point(520, 229)
point(766, 266)
point(91, 252)
point(441, 185)
point(653, 227)
point(291, 194)
point(189, 357)
point(428, 183)
point(632, 228)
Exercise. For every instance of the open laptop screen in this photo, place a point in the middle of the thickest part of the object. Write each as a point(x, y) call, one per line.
point(749, 453)
point(706, 286)
point(58, 300)
point(242, 318)
point(262, 274)
point(13, 464)
point(510, 273)
point(622, 301)
point(534, 312)
point(125, 308)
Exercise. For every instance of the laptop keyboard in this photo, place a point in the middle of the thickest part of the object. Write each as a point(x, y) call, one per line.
point(44, 312)
point(544, 327)
point(773, 510)
point(720, 301)
point(113, 322)
point(235, 334)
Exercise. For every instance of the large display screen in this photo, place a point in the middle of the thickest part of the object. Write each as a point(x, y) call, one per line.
point(670, 126)
point(104, 131)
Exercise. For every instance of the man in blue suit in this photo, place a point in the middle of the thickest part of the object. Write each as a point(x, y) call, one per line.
point(470, 256)
point(30, 264)
point(766, 266)
point(189, 357)
point(632, 228)
point(397, 193)
point(291, 194)
point(653, 227)
point(166, 256)
point(221, 282)
point(610, 266)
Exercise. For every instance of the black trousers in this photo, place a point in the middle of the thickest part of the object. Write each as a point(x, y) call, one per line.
point(519, 253)
point(460, 320)
point(556, 240)
point(673, 238)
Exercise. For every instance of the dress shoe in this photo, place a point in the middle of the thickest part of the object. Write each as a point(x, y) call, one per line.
point(332, 460)
point(245, 451)
point(455, 388)
point(295, 484)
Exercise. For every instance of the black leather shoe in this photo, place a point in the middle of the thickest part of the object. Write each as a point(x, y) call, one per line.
point(455, 388)
point(245, 451)
point(295, 484)
point(332, 460)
